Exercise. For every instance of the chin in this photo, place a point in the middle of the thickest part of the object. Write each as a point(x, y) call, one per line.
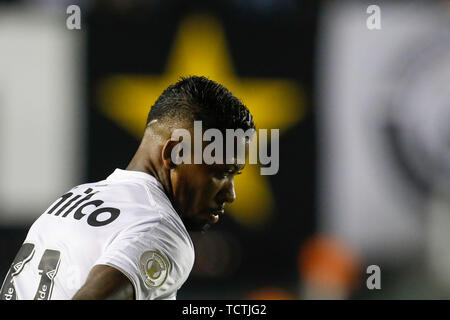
point(195, 225)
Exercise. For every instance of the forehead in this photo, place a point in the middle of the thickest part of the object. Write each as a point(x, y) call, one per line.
point(235, 144)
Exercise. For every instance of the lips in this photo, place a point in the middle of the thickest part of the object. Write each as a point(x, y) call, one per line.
point(218, 212)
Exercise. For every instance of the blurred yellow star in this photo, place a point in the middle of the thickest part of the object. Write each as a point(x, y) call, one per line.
point(200, 49)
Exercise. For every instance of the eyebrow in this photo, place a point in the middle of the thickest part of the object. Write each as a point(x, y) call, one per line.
point(235, 167)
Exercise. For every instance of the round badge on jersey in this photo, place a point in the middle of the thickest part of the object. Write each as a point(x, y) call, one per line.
point(154, 268)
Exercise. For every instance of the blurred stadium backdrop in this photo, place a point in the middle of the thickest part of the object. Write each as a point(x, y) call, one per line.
point(364, 132)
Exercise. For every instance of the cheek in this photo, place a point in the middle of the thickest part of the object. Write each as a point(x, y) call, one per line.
point(205, 189)
point(194, 182)
point(197, 187)
point(212, 190)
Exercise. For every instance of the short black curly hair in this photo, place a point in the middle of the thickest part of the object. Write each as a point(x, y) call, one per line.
point(197, 98)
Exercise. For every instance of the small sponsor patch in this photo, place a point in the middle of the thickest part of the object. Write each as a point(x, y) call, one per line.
point(154, 268)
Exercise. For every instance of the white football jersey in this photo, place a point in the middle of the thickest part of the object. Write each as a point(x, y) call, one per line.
point(125, 221)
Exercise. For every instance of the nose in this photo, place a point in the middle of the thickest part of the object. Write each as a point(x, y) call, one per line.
point(228, 193)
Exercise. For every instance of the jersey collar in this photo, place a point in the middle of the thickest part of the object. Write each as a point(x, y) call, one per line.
point(120, 174)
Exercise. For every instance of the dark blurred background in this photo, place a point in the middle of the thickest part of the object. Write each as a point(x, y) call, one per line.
point(363, 116)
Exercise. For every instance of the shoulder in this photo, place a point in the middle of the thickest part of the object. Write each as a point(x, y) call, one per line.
point(152, 215)
point(165, 234)
point(167, 258)
point(174, 238)
point(157, 256)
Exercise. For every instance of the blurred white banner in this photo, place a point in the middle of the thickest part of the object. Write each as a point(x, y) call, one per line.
point(381, 95)
point(41, 111)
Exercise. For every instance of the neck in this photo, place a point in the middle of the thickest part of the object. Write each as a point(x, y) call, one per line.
point(145, 161)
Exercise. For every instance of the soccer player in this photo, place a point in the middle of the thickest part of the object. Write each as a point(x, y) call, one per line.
point(126, 237)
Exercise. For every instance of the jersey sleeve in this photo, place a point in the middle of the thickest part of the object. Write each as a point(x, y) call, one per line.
point(151, 256)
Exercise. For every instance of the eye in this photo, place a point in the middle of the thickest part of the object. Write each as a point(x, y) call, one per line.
point(231, 173)
point(224, 173)
point(220, 174)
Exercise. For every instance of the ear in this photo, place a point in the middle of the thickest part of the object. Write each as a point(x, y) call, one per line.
point(166, 154)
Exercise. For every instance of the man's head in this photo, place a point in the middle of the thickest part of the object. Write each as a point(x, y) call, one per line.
point(197, 191)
